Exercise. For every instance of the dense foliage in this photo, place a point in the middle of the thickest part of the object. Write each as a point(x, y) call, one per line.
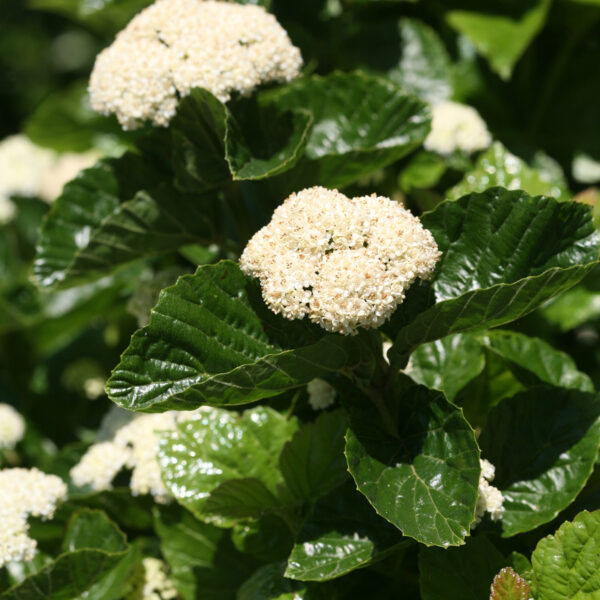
point(451, 453)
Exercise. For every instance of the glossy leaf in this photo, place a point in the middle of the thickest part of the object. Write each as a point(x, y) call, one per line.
point(499, 261)
point(211, 339)
point(464, 573)
point(361, 123)
point(502, 32)
point(92, 547)
point(543, 443)
point(203, 562)
point(313, 462)
point(223, 465)
point(447, 364)
point(566, 563)
point(498, 167)
point(420, 468)
point(343, 533)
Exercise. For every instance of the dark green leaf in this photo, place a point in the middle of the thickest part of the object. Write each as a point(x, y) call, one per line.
point(212, 340)
point(566, 563)
point(498, 167)
point(420, 467)
point(92, 547)
point(543, 443)
point(233, 456)
point(268, 583)
point(267, 538)
point(313, 462)
point(343, 533)
point(501, 31)
point(464, 573)
point(204, 563)
point(361, 123)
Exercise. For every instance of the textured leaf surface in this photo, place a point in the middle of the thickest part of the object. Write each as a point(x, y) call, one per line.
point(498, 167)
point(203, 561)
point(212, 340)
point(92, 547)
point(503, 31)
point(508, 585)
point(420, 470)
point(313, 462)
point(543, 443)
point(343, 533)
point(500, 261)
point(566, 563)
point(219, 448)
point(361, 123)
point(464, 573)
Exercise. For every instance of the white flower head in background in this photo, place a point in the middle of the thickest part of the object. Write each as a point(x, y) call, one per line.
point(176, 45)
point(343, 262)
point(25, 493)
point(133, 446)
point(490, 498)
point(152, 582)
point(457, 126)
point(320, 394)
point(12, 426)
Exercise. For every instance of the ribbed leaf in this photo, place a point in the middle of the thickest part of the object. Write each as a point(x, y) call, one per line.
point(508, 585)
point(211, 340)
point(419, 468)
point(543, 443)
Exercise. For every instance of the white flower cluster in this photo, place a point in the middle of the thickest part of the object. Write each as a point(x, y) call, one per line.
point(320, 394)
point(490, 498)
point(456, 126)
point(133, 446)
point(28, 170)
point(12, 426)
point(153, 582)
point(24, 493)
point(176, 45)
point(343, 262)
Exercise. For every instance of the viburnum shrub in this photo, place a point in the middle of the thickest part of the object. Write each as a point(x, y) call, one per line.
point(313, 311)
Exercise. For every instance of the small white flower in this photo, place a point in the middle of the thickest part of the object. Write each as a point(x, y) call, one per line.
point(12, 426)
point(25, 493)
point(456, 127)
point(343, 262)
point(176, 45)
point(320, 394)
point(490, 498)
point(153, 582)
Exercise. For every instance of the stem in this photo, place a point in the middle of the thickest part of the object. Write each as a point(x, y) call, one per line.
point(292, 407)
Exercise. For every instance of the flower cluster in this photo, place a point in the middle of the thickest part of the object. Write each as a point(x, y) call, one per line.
point(320, 394)
point(343, 262)
point(152, 582)
point(457, 127)
point(12, 426)
point(176, 45)
point(133, 446)
point(28, 170)
point(24, 493)
point(490, 498)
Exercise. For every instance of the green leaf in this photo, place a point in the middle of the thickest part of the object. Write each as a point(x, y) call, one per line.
point(313, 462)
point(204, 563)
point(508, 585)
point(464, 573)
point(343, 533)
point(226, 465)
point(267, 538)
point(447, 364)
point(498, 167)
point(212, 340)
point(566, 563)
point(361, 123)
point(268, 583)
point(92, 547)
point(543, 443)
point(500, 260)
point(420, 467)
point(502, 31)
point(424, 67)
point(423, 170)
